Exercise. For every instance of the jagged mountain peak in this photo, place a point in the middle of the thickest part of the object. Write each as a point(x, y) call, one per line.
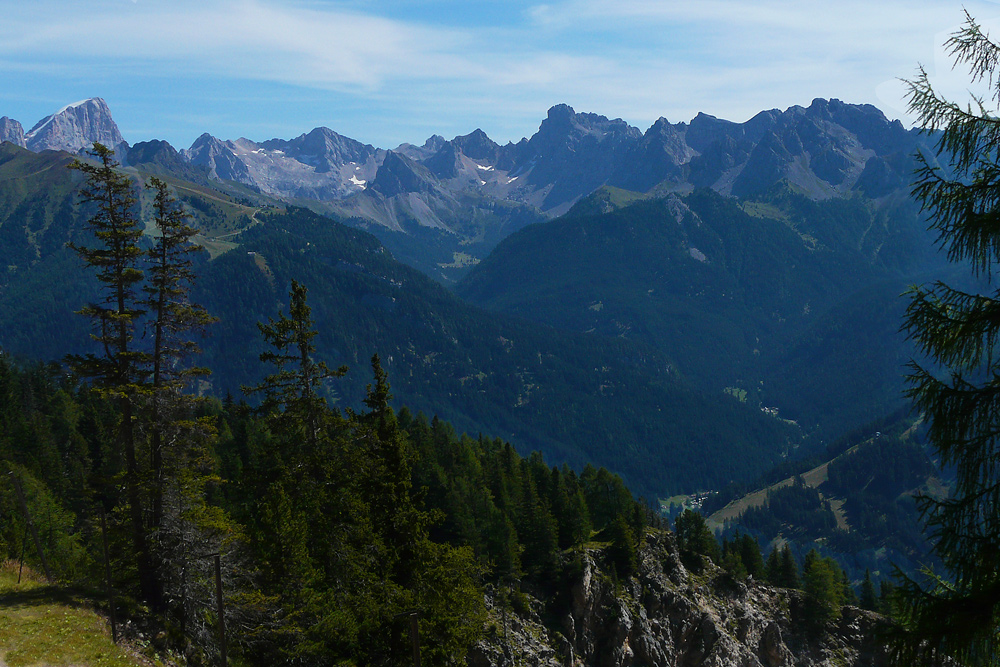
point(443, 163)
point(562, 119)
point(434, 142)
point(477, 145)
point(12, 131)
point(322, 148)
point(203, 139)
point(429, 148)
point(400, 175)
point(75, 127)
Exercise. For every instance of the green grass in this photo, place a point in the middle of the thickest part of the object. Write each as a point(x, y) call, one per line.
point(43, 624)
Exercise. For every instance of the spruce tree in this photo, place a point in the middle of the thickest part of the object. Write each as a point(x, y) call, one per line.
point(173, 318)
point(180, 463)
point(869, 598)
point(957, 613)
point(292, 394)
point(118, 370)
point(772, 569)
point(788, 571)
point(695, 539)
point(750, 555)
point(822, 581)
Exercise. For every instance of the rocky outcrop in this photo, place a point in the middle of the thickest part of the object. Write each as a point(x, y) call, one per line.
point(76, 127)
point(666, 615)
point(11, 130)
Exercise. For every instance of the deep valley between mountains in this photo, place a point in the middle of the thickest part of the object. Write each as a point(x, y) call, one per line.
point(704, 311)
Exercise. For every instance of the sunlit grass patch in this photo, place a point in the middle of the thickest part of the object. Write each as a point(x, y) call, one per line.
point(41, 624)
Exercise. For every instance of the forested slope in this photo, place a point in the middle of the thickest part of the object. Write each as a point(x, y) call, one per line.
point(786, 302)
point(578, 398)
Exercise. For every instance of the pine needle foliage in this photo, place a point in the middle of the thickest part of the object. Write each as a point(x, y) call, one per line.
point(115, 255)
point(118, 373)
point(297, 383)
point(957, 614)
point(173, 319)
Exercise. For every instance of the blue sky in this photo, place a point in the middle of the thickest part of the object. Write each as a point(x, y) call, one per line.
point(385, 72)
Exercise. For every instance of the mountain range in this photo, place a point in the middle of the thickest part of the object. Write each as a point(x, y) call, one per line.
point(442, 206)
point(712, 292)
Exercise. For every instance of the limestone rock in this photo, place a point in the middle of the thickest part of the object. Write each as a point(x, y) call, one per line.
point(11, 130)
point(666, 615)
point(75, 127)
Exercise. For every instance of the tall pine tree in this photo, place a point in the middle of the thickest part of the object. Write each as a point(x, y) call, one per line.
point(957, 613)
point(173, 318)
point(118, 370)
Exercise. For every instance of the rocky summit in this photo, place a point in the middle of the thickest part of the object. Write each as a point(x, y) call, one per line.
point(75, 127)
point(11, 130)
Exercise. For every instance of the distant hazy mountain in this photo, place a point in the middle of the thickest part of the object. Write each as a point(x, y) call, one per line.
point(444, 205)
point(321, 165)
point(74, 127)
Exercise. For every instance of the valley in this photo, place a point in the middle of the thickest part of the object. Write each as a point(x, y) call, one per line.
point(704, 305)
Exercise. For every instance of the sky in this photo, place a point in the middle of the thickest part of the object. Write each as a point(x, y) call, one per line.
point(388, 72)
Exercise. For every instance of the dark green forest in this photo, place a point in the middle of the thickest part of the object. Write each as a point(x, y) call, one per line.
point(579, 398)
point(333, 522)
point(324, 539)
point(786, 302)
point(335, 525)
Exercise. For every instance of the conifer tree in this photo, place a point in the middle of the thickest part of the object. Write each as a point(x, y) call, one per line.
point(118, 370)
point(957, 613)
point(694, 538)
point(772, 569)
point(869, 599)
point(822, 581)
point(750, 555)
point(788, 571)
point(732, 562)
point(173, 318)
point(623, 552)
point(292, 393)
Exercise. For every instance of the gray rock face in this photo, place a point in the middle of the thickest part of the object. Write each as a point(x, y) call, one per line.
point(11, 130)
point(75, 127)
point(222, 158)
point(665, 615)
point(321, 165)
point(823, 150)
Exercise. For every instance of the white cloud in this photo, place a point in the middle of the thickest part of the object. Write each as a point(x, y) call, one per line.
point(636, 59)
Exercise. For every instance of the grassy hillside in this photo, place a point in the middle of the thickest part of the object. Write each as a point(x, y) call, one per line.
point(44, 624)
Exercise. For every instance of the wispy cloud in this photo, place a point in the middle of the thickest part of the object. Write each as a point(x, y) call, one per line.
point(637, 59)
